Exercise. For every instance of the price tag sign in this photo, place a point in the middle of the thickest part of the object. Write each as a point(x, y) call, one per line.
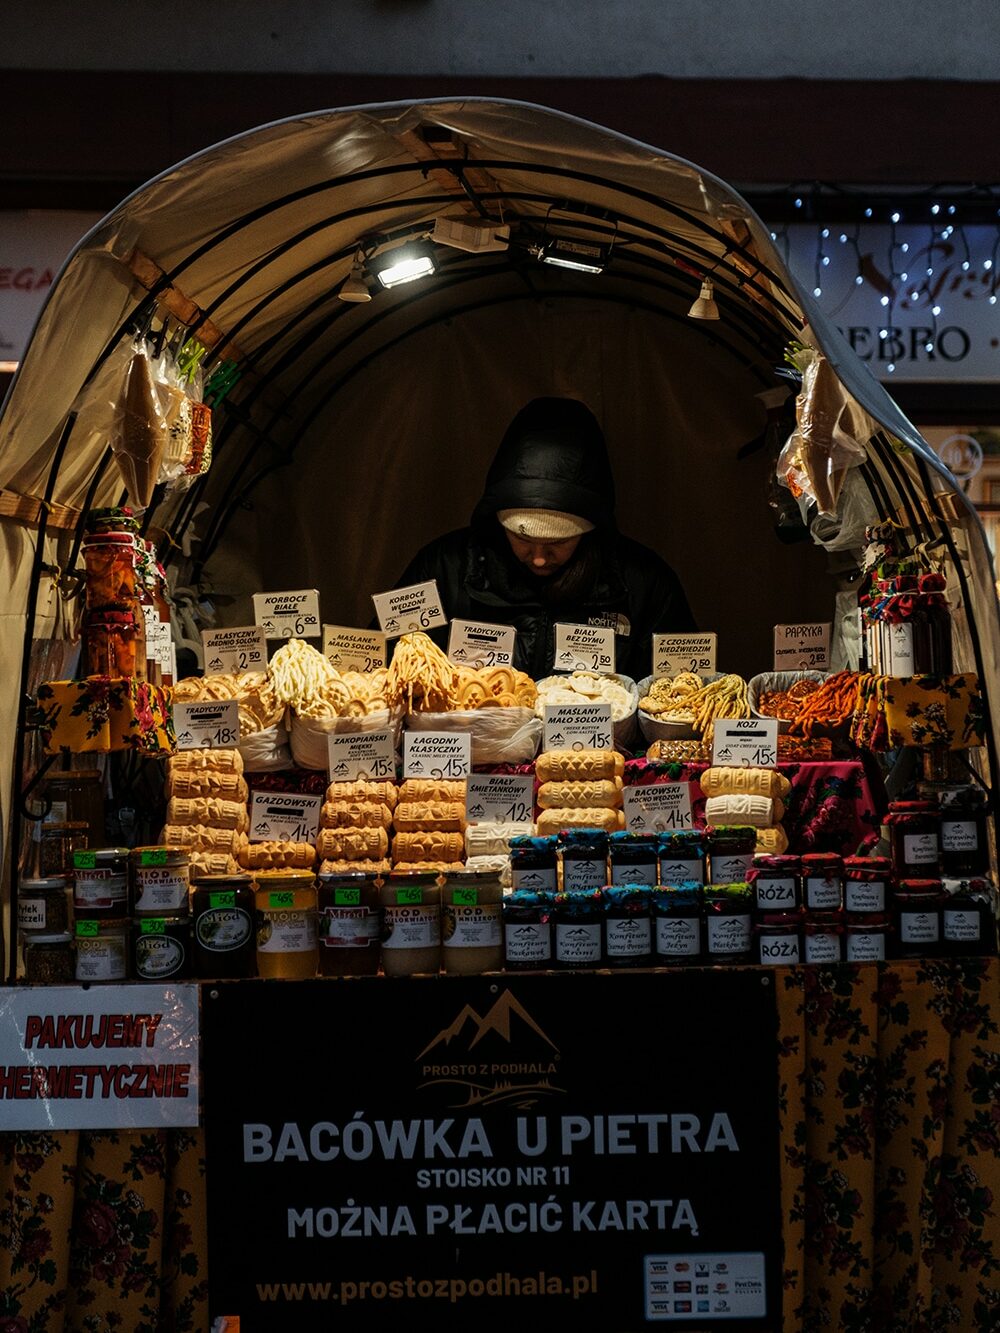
point(353, 649)
point(240, 649)
point(158, 640)
point(360, 754)
point(500, 798)
point(473, 643)
point(288, 615)
point(405, 610)
point(802, 647)
point(661, 807)
point(750, 742)
point(207, 726)
point(284, 816)
point(585, 648)
point(437, 754)
point(674, 653)
point(578, 727)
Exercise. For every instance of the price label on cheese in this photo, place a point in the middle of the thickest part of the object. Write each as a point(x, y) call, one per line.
point(802, 647)
point(500, 798)
point(288, 615)
point(353, 649)
point(207, 726)
point(674, 653)
point(473, 643)
point(750, 742)
point(241, 649)
point(284, 816)
point(360, 754)
point(585, 648)
point(659, 808)
point(405, 610)
point(578, 727)
point(437, 754)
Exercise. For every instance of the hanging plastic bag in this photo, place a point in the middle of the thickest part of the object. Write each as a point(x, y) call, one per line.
point(139, 432)
point(829, 437)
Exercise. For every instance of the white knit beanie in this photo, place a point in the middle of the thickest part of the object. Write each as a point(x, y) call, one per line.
point(543, 525)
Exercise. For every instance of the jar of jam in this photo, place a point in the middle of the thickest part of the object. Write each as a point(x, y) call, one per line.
point(160, 881)
point(778, 939)
point(100, 882)
point(822, 882)
point(584, 854)
point(914, 834)
point(101, 948)
point(677, 924)
point(161, 947)
point(57, 844)
point(682, 857)
point(628, 933)
point(730, 853)
point(223, 911)
point(865, 938)
point(110, 564)
point(350, 927)
point(115, 644)
point(866, 880)
point(633, 858)
point(917, 905)
point(43, 906)
point(823, 937)
point(968, 926)
point(727, 923)
point(533, 864)
point(286, 924)
point(964, 847)
point(578, 918)
point(472, 936)
point(411, 923)
point(527, 929)
point(48, 958)
point(776, 883)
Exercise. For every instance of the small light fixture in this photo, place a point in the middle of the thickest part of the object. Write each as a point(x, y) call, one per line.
point(705, 307)
point(580, 256)
point(354, 287)
point(403, 263)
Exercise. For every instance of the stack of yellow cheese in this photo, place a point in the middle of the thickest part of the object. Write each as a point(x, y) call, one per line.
point(748, 796)
point(355, 831)
point(430, 825)
point(580, 789)
point(206, 809)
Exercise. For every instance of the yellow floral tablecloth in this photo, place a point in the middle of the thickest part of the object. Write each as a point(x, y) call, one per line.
point(104, 713)
point(893, 711)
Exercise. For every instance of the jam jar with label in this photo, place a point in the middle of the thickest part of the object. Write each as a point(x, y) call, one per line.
point(865, 938)
point(533, 864)
point(223, 920)
point(776, 883)
point(917, 905)
point(964, 846)
point(682, 857)
point(822, 882)
point(628, 936)
point(866, 884)
point(578, 918)
point(915, 838)
point(100, 881)
point(584, 855)
point(527, 929)
point(411, 923)
point(730, 853)
point(968, 926)
point(778, 936)
point(823, 937)
point(728, 909)
point(350, 924)
point(43, 905)
point(677, 924)
point(633, 858)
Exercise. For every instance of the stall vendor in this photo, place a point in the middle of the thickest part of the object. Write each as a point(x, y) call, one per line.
point(543, 547)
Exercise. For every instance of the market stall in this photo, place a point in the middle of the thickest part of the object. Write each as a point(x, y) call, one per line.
point(200, 767)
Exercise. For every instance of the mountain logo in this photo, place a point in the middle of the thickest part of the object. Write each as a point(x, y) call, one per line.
point(478, 810)
point(216, 664)
point(637, 821)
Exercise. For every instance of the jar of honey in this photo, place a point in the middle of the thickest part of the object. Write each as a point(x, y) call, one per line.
point(286, 924)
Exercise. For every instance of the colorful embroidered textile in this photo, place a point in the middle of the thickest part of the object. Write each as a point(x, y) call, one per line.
point(919, 710)
point(102, 713)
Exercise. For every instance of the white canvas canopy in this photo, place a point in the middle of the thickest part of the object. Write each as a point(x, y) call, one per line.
point(358, 431)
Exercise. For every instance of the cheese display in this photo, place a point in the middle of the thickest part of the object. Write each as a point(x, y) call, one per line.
point(687, 702)
point(421, 678)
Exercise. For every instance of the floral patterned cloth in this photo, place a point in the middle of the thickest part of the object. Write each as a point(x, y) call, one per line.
point(103, 713)
point(894, 711)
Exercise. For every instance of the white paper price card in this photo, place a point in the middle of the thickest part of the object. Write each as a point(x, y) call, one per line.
point(241, 649)
point(288, 615)
point(674, 653)
point(158, 640)
point(585, 648)
point(405, 610)
point(474, 643)
point(284, 816)
point(750, 742)
point(578, 727)
point(503, 798)
point(802, 647)
point(437, 754)
point(360, 754)
point(660, 807)
point(207, 726)
point(353, 649)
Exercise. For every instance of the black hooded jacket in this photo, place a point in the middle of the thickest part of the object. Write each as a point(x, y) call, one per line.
point(553, 456)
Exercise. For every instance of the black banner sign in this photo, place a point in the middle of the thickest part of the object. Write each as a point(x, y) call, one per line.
point(470, 1152)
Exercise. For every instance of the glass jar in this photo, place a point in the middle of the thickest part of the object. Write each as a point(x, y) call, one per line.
point(823, 937)
point(161, 948)
point(533, 864)
point(822, 882)
point(584, 855)
point(578, 920)
point(110, 569)
point(778, 939)
point(471, 928)
point(411, 923)
point(349, 924)
point(100, 881)
point(57, 844)
point(628, 932)
point(114, 644)
point(527, 929)
point(224, 941)
point(968, 926)
point(160, 881)
point(964, 847)
point(776, 883)
point(682, 857)
point(79, 795)
point(727, 922)
point(101, 948)
point(916, 906)
point(677, 924)
point(914, 833)
point(865, 938)
point(730, 853)
point(286, 924)
point(48, 958)
point(43, 906)
point(865, 884)
point(633, 858)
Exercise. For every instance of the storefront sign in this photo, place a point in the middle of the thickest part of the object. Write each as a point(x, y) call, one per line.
point(406, 610)
point(360, 754)
point(750, 742)
point(437, 754)
point(473, 643)
point(243, 648)
point(659, 807)
point(504, 798)
point(578, 727)
point(353, 649)
point(802, 647)
point(284, 817)
point(674, 653)
point(207, 726)
point(501, 1156)
point(288, 615)
point(585, 648)
point(111, 1057)
point(33, 246)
